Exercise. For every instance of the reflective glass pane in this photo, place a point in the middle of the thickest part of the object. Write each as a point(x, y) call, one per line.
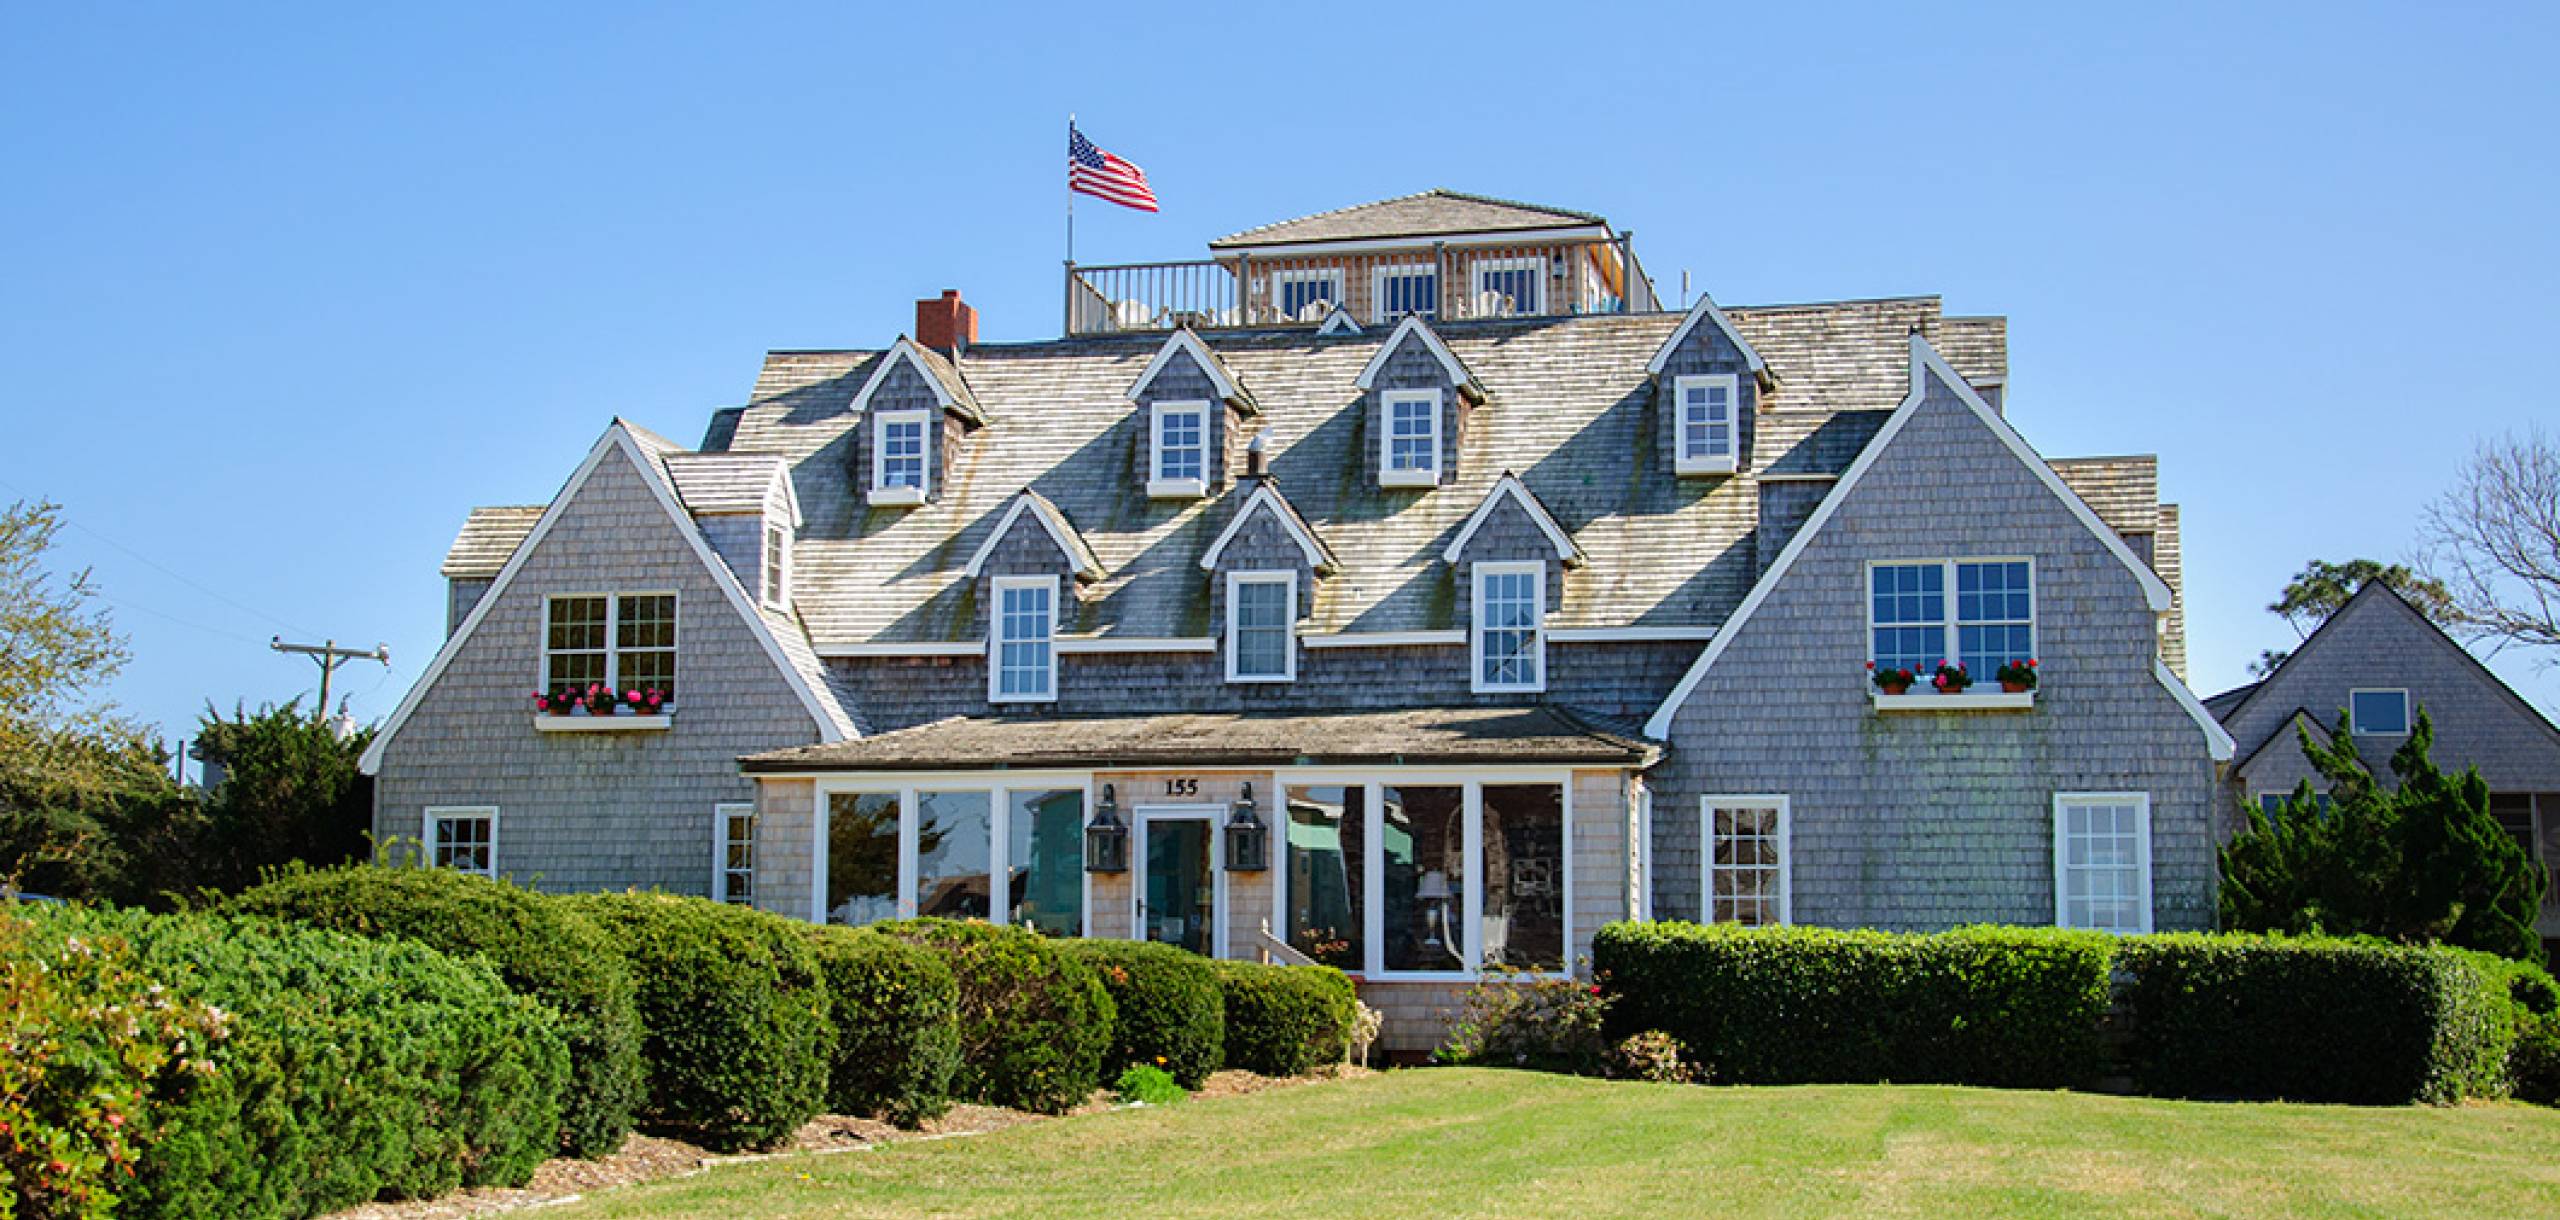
point(1524, 868)
point(953, 837)
point(862, 857)
point(1327, 828)
point(1180, 897)
point(1424, 859)
point(1044, 854)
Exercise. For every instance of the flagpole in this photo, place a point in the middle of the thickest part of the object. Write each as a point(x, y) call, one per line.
point(1071, 195)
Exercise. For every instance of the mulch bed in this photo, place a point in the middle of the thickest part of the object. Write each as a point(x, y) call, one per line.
point(648, 1158)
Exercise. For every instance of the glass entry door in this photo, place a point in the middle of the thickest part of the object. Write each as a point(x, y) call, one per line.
point(1179, 892)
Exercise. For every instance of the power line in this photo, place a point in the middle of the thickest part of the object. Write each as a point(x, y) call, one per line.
point(163, 569)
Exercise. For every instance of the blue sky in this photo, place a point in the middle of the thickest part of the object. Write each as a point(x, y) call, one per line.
point(284, 291)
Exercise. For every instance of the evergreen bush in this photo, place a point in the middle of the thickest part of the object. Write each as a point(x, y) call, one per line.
point(895, 1008)
point(1035, 1021)
point(1286, 1020)
point(1169, 1011)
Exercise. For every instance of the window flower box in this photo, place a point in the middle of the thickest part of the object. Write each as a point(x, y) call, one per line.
point(652, 723)
point(1965, 701)
point(597, 709)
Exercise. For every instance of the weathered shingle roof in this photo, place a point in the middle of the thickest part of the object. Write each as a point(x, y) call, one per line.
point(726, 482)
point(1542, 734)
point(489, 536)
point(1433, 213)
point(1569, 402)
point(2123, 491)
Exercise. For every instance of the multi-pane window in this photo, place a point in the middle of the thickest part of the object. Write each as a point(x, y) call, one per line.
point(2102, 861)
point(1707, 432)
point(1746, 860)
point(1261, 611)
point(1412, 437)
point(733, 854)
point(1509, 287)
point(901, 460)
point(1991, 618)
point(1011, 855)
point(1510, 611)
point(2381, 712)
point(626, 641)
point(777, 561)
point(1182, 442)
point(1306, 296)
point(1384, 876)
point(1406, 290)
point(464, 839)
point(1025, 657)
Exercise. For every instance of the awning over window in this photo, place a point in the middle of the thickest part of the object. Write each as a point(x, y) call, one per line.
point(1479, 736)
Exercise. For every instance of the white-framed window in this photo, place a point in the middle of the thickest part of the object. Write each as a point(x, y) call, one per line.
point(1510, 639)
point(1306, 294)
point(1262, 626)
point(1179, 434)
point(1710, 429)
point(733, 853)
point(1746, 878)
point(2378, 712)
point(2102, 861)
point(1023, 663)
point(1509, 287)
point(777, 566)
point(463, 838)
point(626, 641)
point(1397, 290)
point(955, 847)
point(1421, 874)
point(1409, 443)
point(901, 469)
point(1984, 607)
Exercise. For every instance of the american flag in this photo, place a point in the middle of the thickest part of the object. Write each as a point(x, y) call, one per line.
point(1091, 171)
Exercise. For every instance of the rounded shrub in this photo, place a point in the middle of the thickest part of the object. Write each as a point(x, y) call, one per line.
point(344, 1070)
point(895, 1008)
point(2533, 1066)
point(1035, 1022)
point(733, 1014)
point(1170, 1011)
point(540, 946)
point(1285, 1020)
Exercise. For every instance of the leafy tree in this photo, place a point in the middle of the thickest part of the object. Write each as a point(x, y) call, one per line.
point(2421, 863)
point(290, 791)
point(2322, 588)
point(2496, 537)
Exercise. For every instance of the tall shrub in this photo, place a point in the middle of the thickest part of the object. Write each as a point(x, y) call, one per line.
point(540, 946)
point(1034, 1020)
point(1286, 1020)
point(895, 1008)
point(733, 1011)
point(1170, 1013)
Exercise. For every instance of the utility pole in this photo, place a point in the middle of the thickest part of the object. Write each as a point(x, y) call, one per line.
point(329, 657)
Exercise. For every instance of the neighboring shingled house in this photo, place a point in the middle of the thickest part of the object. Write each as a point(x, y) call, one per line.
point(1399, 588)
point(2379, 662)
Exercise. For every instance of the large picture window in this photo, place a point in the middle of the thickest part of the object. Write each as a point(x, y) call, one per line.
point(2102, 861)
point(1746, 859)
point(1390, 877)
point(625, 641)
point(1000, 853)
point(1990, 620)
point(1024, 667)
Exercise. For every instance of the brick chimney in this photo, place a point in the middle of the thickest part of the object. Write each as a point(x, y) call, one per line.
point(946, 323)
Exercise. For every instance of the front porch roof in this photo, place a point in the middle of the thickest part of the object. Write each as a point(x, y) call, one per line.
point(1478, 736)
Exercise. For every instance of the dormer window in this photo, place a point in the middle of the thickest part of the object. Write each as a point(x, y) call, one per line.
point(1307, 293)
point(1708, 434)
point(1181, 431)
point(1405, 289)
point(777, 566)
point(1409, 446)
point(899, 471)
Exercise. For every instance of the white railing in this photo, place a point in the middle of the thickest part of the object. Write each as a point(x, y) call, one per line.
point(1525, 280)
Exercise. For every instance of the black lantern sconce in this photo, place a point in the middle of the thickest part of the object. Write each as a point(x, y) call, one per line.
point(1248, 840)
point(1106, 838)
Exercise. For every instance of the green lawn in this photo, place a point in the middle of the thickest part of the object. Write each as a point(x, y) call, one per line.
point(1452, 1142)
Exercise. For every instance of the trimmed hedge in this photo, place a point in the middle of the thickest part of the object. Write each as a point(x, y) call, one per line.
point(1171, 1011)
point(895, 1008)
point(1034, 1019)
point(1285, 1020)
point(540, 946)
point(2015, 1007)
point(2313, 1020)
point(734, 1015)
point(348, 1069)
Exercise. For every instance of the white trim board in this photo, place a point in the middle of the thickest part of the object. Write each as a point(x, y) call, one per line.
point(616, 438)
point(1187, 340)
point(1705, 311)
point(1061, 533)
point(1509, 484)
point(1925, 363)
point(904, 349)
point(1267, 495)
point(1413, 327)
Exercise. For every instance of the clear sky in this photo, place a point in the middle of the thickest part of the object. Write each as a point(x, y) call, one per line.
point(284, 292)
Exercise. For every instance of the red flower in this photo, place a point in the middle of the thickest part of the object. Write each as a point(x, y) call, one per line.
point(2031, 662)
point(1871, 665)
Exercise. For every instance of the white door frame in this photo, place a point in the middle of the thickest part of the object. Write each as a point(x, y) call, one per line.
point(1210, 817)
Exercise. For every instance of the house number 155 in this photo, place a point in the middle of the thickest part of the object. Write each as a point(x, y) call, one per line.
point(1182, 787)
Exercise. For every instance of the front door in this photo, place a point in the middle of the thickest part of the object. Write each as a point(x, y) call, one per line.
point(1180, 890)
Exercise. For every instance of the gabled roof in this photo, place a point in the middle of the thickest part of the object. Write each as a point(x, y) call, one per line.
point(488, 537)
point(719, 484)
point(1070, 543)
point(1705, 311)
point(2375, 591)
point(647, 453)
point(1926, 365)
point(1509, 486)
point(950, 391)
point(2301, 718)
point(1415, 329)
point(1432, 213)
point(1187, 340)
point(1339, 322)
point(1266, 496)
